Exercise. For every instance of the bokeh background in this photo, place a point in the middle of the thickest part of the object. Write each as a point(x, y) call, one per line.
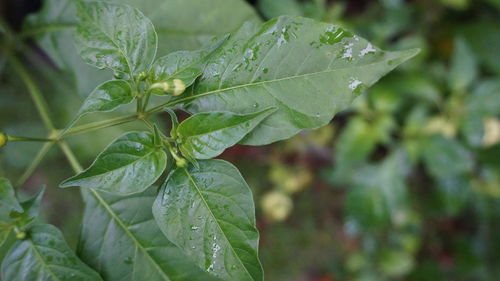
point(403, 186)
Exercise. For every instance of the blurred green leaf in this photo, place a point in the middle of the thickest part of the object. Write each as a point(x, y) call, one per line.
point(445, 157)
point(378, 195)
point(8, 196)
point(463, 69)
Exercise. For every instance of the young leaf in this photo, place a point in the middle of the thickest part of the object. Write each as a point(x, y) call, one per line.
point(115, 36)
point(121, 240)
point(309, 70)
point(106, 97)
point(209, 213)
point(130, 164)
point(7, 195)
point(31, 208)
point(183, 65)
point(44, 256)
point(206, 135)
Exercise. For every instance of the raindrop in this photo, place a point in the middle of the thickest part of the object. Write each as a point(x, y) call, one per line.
point(255, 105)
point(127, 260)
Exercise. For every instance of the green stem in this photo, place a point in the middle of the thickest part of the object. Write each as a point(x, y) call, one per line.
point(35, 93)
point(98, 125)
point(18, 138)
point(34, 164)
point(70, 156)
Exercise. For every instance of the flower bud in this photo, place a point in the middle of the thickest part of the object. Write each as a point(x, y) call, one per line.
point(3, 139)
point(181, 163)
point(179, 87)
point(21, 235)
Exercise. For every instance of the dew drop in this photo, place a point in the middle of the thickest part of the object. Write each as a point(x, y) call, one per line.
point(127, 260)
point(255, 105)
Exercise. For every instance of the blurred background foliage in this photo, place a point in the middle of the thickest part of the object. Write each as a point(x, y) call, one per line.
point(403, 186)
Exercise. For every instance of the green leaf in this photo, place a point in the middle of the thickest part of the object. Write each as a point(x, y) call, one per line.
point(464, 68)
point(183, 65)
point(106, 97)
point(379, 193)
point(7, 195)
point(121, 240)
point(209, 213)
point(206, 135)
point(307, 69)
point(31, 209)
point(115, 36)
point(446, 157)
point(44, 256)
point(274, 8)
point(130, 164)
point(189, 24)
point(52, 28)
point(5, 229)
point(54, 24)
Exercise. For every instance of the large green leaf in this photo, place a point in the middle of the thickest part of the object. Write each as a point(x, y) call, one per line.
point(130, 164)
point(121, 240)
point(44, 256)
point(7, 195)
point(206, 135)
point(54, 24)
point(209, 212)
point(114, 36)
point(308, 70)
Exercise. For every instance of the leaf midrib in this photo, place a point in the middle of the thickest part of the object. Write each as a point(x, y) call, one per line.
point(222, 90)
point(39, 256)
point(127, 231)
point(217, 221)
